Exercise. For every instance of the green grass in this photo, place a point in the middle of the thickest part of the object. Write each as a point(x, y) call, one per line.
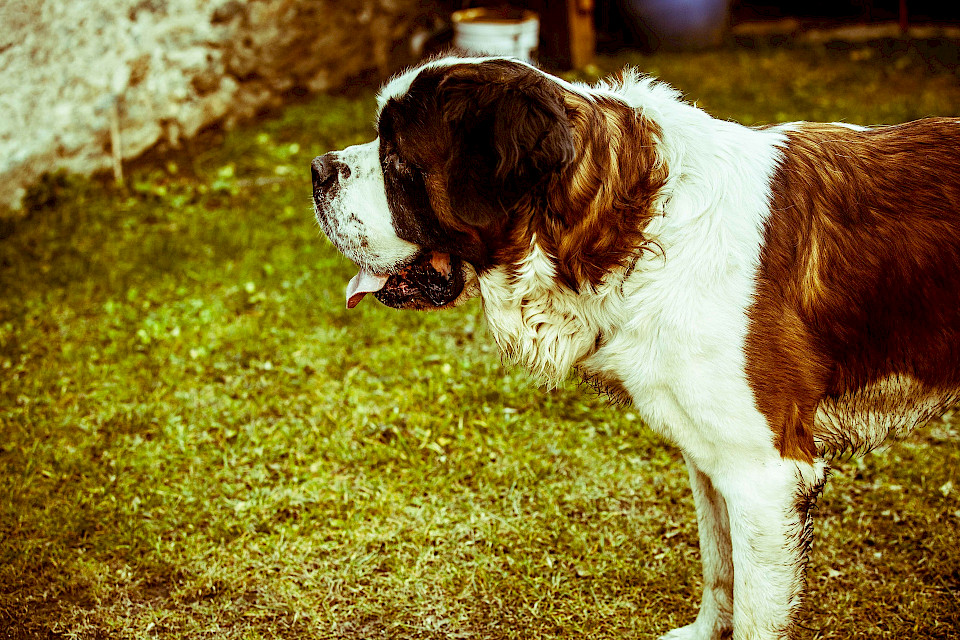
point(198, 440)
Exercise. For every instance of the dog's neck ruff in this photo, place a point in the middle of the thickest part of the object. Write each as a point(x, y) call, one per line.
point(542, 327)
point(703, 230)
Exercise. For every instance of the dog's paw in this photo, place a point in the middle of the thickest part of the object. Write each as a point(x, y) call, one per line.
point(696, 632)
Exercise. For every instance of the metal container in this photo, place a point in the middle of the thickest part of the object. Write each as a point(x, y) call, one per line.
point(503, 32)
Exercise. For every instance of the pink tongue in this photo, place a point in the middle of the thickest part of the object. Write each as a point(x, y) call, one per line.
point(362, 284)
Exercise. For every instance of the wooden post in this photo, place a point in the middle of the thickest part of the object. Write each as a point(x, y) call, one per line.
point(567, 37)
point(582, 38)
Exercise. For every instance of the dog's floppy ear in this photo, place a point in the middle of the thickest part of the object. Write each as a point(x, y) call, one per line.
point(510, 133)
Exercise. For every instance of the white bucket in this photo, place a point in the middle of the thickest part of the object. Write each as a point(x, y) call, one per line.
point(497, 32)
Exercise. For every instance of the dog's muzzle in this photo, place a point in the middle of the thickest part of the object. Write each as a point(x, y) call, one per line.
point(423, 279)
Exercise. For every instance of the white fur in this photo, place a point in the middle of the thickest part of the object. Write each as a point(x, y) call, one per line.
point(890, 407)
point(543, 328)
point(358, 221)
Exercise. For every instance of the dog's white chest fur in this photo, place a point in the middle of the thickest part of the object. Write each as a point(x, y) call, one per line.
point(670, 330)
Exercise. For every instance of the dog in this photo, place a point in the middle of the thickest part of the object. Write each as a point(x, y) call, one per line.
point(765, 297)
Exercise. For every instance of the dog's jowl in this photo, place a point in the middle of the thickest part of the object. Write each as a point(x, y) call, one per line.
point(765, 297)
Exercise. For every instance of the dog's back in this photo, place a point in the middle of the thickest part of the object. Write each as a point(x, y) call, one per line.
point(858, 299)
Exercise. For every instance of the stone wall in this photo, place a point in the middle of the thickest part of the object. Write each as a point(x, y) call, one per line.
point(76, 76)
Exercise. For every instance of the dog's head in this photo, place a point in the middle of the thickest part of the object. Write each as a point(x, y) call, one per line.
point(475, 160)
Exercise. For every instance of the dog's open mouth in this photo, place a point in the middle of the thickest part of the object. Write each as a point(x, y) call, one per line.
point(432, 280)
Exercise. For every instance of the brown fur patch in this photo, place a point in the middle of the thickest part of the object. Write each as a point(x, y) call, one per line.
point(579, 174)
point(591, 219)
point(859, 274)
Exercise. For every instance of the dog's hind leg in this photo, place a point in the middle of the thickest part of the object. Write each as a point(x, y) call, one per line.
point(715, 619)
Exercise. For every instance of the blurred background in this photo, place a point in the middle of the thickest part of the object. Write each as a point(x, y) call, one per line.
point(88, 85)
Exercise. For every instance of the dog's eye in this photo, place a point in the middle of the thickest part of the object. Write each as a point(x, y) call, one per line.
point(393, 162)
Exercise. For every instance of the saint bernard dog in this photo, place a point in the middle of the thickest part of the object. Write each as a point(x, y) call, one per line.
point(765, 297)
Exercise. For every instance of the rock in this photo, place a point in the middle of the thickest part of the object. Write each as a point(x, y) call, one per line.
point(165, 69)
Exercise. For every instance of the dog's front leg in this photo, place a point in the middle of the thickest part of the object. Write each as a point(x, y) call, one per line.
point(768, 501)
point(715, 619)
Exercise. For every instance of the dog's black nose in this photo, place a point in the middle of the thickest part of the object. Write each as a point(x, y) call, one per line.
point(326, 171)
point(320, 169)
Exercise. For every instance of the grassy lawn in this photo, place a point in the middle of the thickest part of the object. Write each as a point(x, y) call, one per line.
point(197, 439)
